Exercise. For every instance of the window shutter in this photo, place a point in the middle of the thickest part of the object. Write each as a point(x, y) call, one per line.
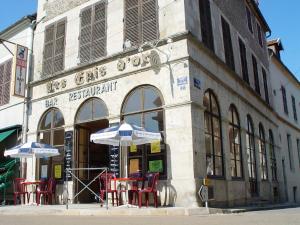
point(85, 36)
point(206, 25)
point(149, 20)
point(59, 47)
point(48, 50)
point(1, 83)
point(228, 50)
point(99, 31)
point(131, 23)
point(6, 82)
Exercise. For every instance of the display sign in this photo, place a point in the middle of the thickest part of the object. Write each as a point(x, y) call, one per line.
point(44, 171)
point(114, 157)
point(155, 147)
point(156, 166)
point(20, 69)
point(68, 153)
point(57, 171)
point(197, 83)
point(133, 148)
point(133, 166)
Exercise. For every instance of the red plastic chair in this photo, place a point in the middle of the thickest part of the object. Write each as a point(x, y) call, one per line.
point(46, 189)
point(134, 188)
point(108, 184)
point(20, 189)
point(151, 179)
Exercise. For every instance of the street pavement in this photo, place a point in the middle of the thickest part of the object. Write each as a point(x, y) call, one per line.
point(290, 216)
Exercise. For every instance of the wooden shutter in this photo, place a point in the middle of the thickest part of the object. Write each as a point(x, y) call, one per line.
point(149, 21)
point(265, 86)
point(99, 31)
point(243, 58)
point(1, 82)
point(206, 26)
point(48, 50)
point(7, 79)
point(255, 72)
point(229, 59)
point(131, 22)
point(85, 39)
point(59, 53)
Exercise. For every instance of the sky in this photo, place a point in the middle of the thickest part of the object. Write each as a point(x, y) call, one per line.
point(282, 16)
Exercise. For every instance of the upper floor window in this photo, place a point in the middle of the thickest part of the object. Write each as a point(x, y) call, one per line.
point(294, 108)
point(265, 86)
point(92, 39)
point(213, 137)
point(298, 150)
point(5, 80)
point(249, 20)
point(54, 48)
point(285, 107)
point(259, 35)
point(235, 143)
point(262, 153)
point(243, 57)
point(141, 21)
point(273, 156)
point(290, 151)
point(228, 50)
point(206, 26)
point(255, 72)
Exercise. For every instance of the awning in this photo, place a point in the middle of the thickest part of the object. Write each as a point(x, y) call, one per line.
point(5, 134)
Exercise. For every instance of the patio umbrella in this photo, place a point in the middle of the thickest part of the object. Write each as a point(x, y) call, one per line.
point(124, 135)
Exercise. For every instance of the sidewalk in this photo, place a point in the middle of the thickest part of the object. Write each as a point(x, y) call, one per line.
point(96, 210)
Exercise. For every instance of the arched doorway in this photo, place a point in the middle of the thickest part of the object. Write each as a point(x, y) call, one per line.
point(91, 117)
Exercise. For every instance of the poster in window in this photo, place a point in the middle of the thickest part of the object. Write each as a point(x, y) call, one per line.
point(155, 147)
point(156, 166)
point(133, 166)
point(44, 171)
point(57, 171)
point(133, 148)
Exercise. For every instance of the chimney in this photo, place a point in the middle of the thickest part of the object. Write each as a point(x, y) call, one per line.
point(275, 46)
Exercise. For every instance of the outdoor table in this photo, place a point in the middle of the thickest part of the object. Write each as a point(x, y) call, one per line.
point(127, 181)
point(33, 185)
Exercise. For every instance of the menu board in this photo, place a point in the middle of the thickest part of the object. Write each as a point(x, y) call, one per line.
point(114, 157)
point(68, 153)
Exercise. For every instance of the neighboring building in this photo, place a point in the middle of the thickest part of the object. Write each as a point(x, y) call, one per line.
point(13, 88)
point(286, 95)
point(201, 78)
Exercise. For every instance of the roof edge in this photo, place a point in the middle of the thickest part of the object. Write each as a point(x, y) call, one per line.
point(259, 13)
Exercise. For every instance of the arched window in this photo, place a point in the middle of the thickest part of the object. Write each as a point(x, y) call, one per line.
point(235, 143)
point(51, 131)
point(251, 155)
point(143, 107)
point(213, 137)
point(90, 110)
point(273, 156)
point(262, 153)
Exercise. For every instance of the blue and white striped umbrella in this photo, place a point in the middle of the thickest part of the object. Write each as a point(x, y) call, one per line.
point(31, 149)
point(124, 135)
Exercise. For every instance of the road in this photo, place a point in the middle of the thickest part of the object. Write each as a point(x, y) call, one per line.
point(272, 217)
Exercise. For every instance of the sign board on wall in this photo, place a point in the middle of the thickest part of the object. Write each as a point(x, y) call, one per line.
point(68, 153)
point(20, 69)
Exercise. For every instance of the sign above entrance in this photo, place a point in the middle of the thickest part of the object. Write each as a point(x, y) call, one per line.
point(90, 75)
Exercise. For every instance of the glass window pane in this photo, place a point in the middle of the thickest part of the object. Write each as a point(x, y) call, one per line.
point(85, 112)
point(59, 137)
point(217, 146)
point(238, 169)
point(154, 121)
point(214, 106)
point(206, 101)
point(60, 157)
point(208, 144)
point(58, 119)
point(134, 119)
point(46, 121)
point(216, 126)
point(45, 137)
point(99, 109)
point(134, 102)
point(218, 166)
point(151, 99)
point(209, 165)
point(207, 123)
point(233, 169)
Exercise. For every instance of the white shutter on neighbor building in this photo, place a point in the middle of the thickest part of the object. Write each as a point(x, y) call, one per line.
point(5, 80)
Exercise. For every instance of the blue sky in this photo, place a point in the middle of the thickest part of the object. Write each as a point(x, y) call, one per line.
point(283, 19)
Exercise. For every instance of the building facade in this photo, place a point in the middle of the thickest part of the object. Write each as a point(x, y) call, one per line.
point(15, 42)
point(200, 78)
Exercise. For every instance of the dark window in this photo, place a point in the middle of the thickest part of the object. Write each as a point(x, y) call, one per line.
point(206, 26)
point(262, 153)
point(141, 21)
point(255, 72)
point(259, 35)
point(285, 106)
point(143, 107)
point(51, 131)
point(265, 86)
point(213, 135)
point(294, 108)
point(249, 19)
point(244, 64)
point(290, 151)
point(5, 81)
point(92, 40)
point(298, 150)
point(228, 50)
point(235, 143)
point(273, 156)
point(54, 48)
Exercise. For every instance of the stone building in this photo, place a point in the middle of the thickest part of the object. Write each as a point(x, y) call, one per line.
point(188, 69)
point(15, 47)
point(286, 104)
